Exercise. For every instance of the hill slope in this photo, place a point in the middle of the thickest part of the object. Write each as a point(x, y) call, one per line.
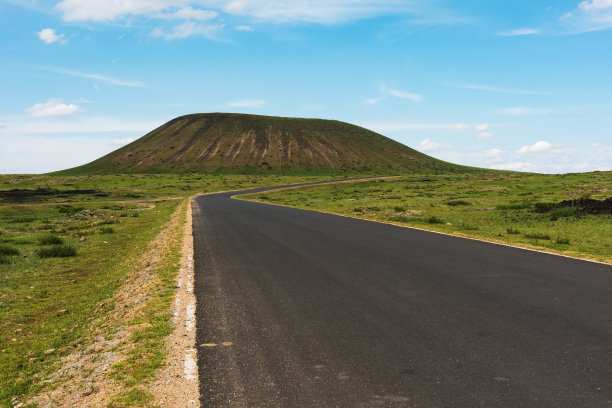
point(225, 142)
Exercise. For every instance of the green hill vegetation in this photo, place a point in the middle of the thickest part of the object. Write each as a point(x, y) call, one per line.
point(238, 143)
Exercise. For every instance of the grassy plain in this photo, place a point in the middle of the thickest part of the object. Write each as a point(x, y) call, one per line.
point(67, 244)
point(509, 208)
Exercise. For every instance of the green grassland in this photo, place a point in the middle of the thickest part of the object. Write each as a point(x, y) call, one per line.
point(67, 243)
point(510, 208)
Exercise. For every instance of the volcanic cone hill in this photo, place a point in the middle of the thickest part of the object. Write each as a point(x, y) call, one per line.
point(237, 143)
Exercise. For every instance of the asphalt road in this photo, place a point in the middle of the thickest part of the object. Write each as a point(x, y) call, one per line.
point(317, 310)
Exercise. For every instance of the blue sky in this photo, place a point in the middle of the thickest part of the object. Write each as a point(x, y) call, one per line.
point(520, 85)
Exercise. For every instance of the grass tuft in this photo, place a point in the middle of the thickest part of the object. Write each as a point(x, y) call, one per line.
point(57, 251)
point(107, 230)
point(537, 235)
point(512, 231)
point(562, 241)
point(50, 239)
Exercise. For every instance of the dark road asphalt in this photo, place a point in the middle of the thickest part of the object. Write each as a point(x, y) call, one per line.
point(327, 311)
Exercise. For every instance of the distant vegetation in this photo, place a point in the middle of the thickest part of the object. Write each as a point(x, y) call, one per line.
point(568, 214)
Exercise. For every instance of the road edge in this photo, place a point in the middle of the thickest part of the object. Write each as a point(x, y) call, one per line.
point(177, 384)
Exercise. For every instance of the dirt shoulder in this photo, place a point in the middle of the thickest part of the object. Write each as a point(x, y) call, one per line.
point(134, 352)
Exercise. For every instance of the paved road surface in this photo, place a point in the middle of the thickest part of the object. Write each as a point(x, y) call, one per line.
point(327, 311)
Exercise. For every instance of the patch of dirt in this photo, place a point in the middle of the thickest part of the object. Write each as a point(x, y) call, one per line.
point(83, 379)
point(19, 195)
point(177, 385)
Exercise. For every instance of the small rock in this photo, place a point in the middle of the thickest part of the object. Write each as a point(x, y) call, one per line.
point(19, 331)
point(61, 312)
point(82, 239)
point(49, 351)
point(32, 359)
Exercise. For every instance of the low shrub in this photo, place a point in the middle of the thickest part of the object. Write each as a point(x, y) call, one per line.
point(50, 239)
point(399, 209)
point(467, 227)
point(8, 250)
point(455, 203)
point(68, 210)
point(357, 209)
point(544, 207)
point(57, 251)
point(562, 212)
point(4, 260)
point(435, 220)
point(512, 231)
point(563, 241)
point(107, 230)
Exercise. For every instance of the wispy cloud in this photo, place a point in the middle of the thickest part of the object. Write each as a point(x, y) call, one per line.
point(53, 107)
point(429, 145)
point(123, 141)
point(313, 11)
point(22, 126)
point(245, 28)
point(247, 103)
point(189, 13)
point(49, 36)
point(524, 111)
point(504, 90)
point(188, 29)
point(519, 32)
point(98, 77)
point(386, 92)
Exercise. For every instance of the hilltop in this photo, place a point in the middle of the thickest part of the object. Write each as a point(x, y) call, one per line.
point(235, 143)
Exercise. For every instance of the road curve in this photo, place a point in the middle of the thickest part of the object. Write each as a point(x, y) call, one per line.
point(303, 309)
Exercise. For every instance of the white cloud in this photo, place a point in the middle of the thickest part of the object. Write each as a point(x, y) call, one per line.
point(595, 5)
point(245, 28)
point(49, 36)
point(516, 166)
point(123, 141)
point(187, 29)
point(189, 13)
point(519, 32)
point(248, 103)
point(98, 77)
point(524, 111)
point(482, 127)
point(485, 135)
point(313, 11)
point(53, 107)
point(461, 126)
point(429, 144)
point(590, 15)
point(492, 153)
point(503, 90)
point(540, 146)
